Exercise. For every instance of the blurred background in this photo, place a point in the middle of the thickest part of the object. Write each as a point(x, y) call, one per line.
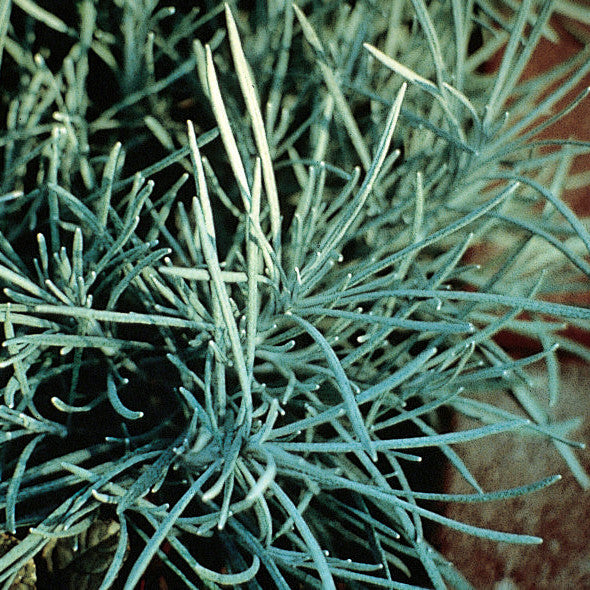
point(561, 513)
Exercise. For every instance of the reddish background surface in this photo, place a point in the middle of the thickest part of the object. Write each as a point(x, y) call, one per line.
point(560, 514)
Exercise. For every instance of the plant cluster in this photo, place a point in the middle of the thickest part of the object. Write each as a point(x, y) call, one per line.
point(229, 337)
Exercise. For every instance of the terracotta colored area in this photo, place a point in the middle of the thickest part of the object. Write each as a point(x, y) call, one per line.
point(573, 37)
point(559, 514)
point(576, 125)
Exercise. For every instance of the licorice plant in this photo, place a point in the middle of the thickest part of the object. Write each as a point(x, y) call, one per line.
point(229, 337)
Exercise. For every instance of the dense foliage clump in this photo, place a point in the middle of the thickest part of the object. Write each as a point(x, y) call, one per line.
point(239, 258)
